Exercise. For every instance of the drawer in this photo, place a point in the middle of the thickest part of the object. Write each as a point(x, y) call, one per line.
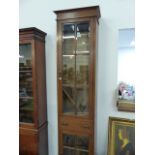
point(85, 125)
point(77, 124)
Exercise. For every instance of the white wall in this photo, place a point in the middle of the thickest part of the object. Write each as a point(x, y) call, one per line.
point(126, 65)
point(115, 15)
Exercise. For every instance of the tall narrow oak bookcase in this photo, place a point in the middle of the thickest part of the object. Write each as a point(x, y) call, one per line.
point(33, 138)
point(76, 62)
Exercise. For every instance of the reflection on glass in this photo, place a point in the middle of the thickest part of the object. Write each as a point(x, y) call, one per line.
point(82, 101)
point(68, 151)
point(78, 145)
point(82, 78)
point(82, 38)
point(69, 140)
point(68, 39)
point(75, 76)
point(25, 84)
point(68, 69)
point(81, 153)
point(82, 69)
point(69, 104)
point(82, 143)
point(68, 79)
point(26, 109)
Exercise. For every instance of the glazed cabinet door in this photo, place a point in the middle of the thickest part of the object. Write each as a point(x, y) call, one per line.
point(75, 144)
point(75, 72)
point(26, 99)
point(76, 58)
point(33, 136)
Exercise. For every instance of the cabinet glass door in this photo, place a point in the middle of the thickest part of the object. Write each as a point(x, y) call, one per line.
point(26, 99)
point(75, 145)
point(75, 62)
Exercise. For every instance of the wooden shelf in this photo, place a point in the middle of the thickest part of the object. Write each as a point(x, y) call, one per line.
point(25, 71)
point(125, 105)
point(25, 67)
point(77, 85)
point(76, 114)
point(75, 148)
point(26, 97)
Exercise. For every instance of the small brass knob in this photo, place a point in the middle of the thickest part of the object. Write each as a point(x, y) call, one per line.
point(60, 78)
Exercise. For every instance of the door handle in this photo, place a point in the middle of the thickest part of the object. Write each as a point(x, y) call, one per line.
point(86, 126)
point(65, 124)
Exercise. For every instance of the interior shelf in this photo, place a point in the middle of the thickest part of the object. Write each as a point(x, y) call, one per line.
point(76, 149)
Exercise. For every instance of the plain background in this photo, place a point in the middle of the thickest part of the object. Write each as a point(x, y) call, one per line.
point(145, 84)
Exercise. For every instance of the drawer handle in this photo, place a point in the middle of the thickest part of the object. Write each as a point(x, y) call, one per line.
point(86, 127)
point(60, 78)
point(65, 124)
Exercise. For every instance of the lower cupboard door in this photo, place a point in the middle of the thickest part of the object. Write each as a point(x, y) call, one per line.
point(75, 145)
point(69, 151)
point(74, 152)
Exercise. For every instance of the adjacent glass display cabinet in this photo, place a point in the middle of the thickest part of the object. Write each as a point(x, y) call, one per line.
point(77, 31)
point(32, 93)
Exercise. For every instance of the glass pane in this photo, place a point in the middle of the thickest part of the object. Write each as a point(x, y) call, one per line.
point(68, 39)
point(82, 143)
point(82, 101)
point(75, 145)
point(68, 87)
point(82, 38)
point(26, 100)
point(69, 104)
point(68, 70)
point(82, 69)
point(82, 79)
point(75, 76)
point(126, 73)
point(69, 140)
point(26, 110)
point(81, 153)
point(69, 151)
